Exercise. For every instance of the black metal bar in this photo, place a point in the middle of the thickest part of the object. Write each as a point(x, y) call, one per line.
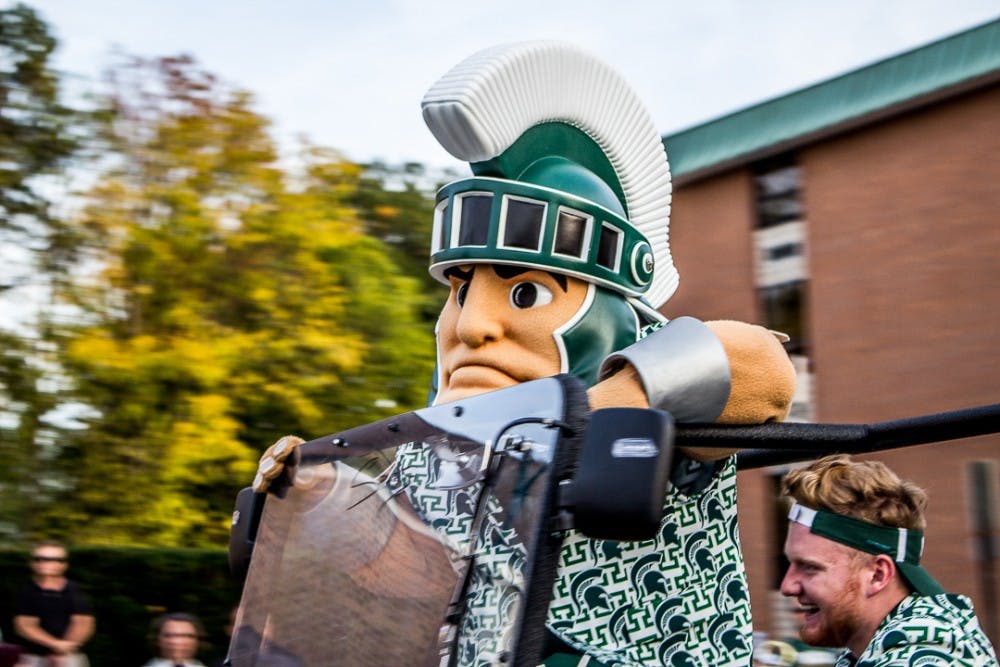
point(774, 444)
point(749, 459)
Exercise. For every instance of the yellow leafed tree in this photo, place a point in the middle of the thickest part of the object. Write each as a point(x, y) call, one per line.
point(222, 302)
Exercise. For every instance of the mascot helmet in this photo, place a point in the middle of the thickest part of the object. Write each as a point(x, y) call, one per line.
point(569, 176)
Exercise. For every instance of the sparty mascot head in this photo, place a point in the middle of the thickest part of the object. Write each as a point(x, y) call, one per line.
point(556, 249)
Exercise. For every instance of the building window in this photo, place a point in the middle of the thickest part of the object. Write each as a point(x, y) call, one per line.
point(783, 306)
point(781, 254)
point(780, 267)
point(778, 192)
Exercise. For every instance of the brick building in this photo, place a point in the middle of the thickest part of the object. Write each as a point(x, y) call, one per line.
point(861, 215)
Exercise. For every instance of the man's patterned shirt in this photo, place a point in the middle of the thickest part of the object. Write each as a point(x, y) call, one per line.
point(927, 631)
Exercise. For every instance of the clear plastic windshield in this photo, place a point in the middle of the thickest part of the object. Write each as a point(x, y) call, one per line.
point(350, 568)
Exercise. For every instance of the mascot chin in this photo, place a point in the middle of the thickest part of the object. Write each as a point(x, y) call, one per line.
point(556, 251)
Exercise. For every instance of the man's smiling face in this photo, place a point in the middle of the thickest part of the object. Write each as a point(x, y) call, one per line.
point(496, 329)
point(825, 578)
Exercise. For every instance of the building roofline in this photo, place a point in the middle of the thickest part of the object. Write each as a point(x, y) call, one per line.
point(942, 69)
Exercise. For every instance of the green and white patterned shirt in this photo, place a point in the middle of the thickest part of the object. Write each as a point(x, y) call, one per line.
point(927, 631)
point(680, 599)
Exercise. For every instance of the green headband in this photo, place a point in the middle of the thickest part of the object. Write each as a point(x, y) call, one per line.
point(902, 545)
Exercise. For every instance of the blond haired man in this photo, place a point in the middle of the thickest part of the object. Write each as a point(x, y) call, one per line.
point(854, 542)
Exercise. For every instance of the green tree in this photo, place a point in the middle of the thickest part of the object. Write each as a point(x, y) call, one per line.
point(39, 137)
point(28, 475)
point(396, 205)
point(35, 128)
point(227, 303)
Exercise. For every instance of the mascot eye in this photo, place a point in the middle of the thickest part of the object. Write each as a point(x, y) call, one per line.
point(530, 295)
point(461, 293)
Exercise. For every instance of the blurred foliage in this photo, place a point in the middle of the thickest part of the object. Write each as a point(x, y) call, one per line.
point(128, 588)
point(394, 207)
point(233, 303)
point(217, 298)
point(27, 476)
point(36, 130)
point(38, 137)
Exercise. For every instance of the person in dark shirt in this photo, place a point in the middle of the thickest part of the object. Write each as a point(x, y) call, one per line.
point(53, 616)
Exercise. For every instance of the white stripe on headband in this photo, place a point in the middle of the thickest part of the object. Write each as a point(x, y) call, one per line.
point(901, 545)
point(803, 515)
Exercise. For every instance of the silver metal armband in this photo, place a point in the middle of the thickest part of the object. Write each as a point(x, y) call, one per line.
point(683, 367)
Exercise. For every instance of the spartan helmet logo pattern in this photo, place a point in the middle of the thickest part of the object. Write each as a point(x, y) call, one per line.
point(497, 579)
point(680, 599)
point(925, 631)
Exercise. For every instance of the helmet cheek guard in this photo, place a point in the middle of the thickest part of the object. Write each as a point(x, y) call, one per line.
point(604, 324)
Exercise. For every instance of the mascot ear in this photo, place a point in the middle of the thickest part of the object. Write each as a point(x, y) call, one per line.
point(554, 125)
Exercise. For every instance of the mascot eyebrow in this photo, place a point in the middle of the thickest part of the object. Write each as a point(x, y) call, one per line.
point(504, 271)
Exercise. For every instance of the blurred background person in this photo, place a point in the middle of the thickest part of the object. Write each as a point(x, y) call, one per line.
point(53, 616)
point(175, 638)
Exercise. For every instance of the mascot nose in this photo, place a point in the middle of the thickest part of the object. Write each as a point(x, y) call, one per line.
point(479, 322)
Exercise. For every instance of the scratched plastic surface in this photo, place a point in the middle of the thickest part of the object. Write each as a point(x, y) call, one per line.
point(342, 576)
point(345, 574)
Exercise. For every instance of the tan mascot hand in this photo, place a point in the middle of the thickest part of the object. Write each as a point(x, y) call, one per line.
point(762, 375)
point(272, 462)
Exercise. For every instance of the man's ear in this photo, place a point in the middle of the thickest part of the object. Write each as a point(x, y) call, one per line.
point(883, 574)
